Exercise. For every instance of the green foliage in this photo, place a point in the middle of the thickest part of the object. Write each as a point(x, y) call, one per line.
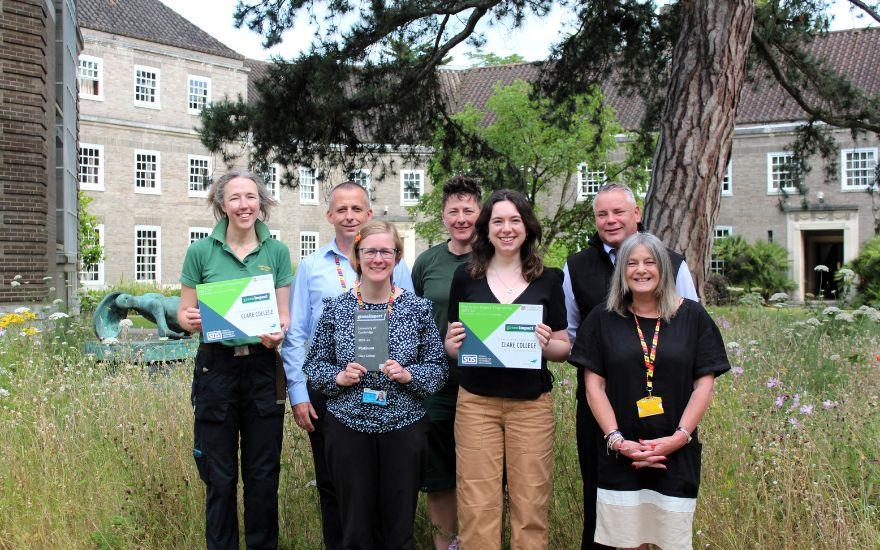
point(480, 58)
point(90, 250)
point(760, 267)
point(867, 267)
point(530, 145)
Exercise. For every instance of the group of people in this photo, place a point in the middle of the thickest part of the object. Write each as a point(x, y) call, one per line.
point(464, 435)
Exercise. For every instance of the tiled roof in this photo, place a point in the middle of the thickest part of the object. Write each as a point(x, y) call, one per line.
point(258, 72)
point(149, 20)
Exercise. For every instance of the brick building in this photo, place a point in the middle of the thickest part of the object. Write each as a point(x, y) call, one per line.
point(39, 45)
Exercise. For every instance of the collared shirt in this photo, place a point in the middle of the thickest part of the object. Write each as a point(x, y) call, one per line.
point(317, 278)
point(210, 259)
point(684, 285)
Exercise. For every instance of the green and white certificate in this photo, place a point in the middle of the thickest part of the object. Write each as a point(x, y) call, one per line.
point(238, 308)
point(500, 335)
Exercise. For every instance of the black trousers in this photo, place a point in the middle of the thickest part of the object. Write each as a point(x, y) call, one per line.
point(234, 399)
point(586, 433)
point(377, 479)
point(331, 524)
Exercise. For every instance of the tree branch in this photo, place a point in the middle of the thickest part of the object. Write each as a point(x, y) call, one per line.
point(867, 9)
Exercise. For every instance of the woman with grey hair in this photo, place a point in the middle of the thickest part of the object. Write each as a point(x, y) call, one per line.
point(235, 383)
point(650, 360)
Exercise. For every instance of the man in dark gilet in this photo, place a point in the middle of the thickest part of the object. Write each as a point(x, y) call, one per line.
point(587, 280)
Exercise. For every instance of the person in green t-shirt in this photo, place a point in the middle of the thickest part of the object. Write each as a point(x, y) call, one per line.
point(432, 277)
point(235, 382)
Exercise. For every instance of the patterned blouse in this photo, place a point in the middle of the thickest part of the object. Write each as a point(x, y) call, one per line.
point(413, 341)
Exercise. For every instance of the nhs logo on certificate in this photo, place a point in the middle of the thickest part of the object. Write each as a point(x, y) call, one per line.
point(500, 335)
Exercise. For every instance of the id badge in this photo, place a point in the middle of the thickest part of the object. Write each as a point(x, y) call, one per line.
point(375, 397)
point(649, 406)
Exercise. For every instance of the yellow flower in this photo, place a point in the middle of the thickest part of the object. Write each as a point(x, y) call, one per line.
point(30, 331)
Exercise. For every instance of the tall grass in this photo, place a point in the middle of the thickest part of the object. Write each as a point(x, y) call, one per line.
point(99, 456)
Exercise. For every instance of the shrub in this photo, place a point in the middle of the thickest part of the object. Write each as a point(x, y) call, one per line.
point(867, 267)
point(89, 298)
point(715, 290)
point(760, 267)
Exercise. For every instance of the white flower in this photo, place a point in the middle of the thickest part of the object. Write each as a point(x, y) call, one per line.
point(17, 277)
point(844, 316)
point(4, 392)
point(831, 311)
point(58, 315)
point(110, 341)
point(822, 268)
point(779, 297)
point(57, 301)
point(126, 323)
point(732, 345)
point(834, 357)
point(14, 283)
point(812, 321)
point(21, 310)
point(846, 272)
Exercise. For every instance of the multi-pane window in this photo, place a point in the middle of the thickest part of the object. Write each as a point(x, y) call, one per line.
point(716, 265)
point(858, 169)
point(199, 93)
point(362, 178)
point(412, 185)
point(91, 77)
point(94, 274)
point(275, 234)
point(308, 243)
point(781, 172)
point(146, 87)
point(147, 253)
point(199, 175)
point(308, 186)
point(196, 233)
point(589, 181)
point(91, 167)
point(273, 182)
point(727, 182)
point(146, 172)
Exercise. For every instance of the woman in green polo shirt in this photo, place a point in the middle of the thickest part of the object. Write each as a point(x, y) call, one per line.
point(234, 389)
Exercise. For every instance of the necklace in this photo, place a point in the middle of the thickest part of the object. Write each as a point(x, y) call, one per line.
point(509, 288)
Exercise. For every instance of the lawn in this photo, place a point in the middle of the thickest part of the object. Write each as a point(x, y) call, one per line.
point(99, 456)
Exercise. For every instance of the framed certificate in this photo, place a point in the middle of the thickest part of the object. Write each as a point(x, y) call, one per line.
point(238, 308)
point(500, 335)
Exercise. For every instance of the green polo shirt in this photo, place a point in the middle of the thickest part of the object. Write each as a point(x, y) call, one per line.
point(210, 259)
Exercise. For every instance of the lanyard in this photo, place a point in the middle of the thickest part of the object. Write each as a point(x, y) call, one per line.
point(649, 356)
point(339, 271)
point(360, 299)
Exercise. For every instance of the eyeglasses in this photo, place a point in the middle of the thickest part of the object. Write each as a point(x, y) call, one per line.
point(384, 253)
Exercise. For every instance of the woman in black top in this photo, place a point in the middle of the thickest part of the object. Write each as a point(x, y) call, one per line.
point(651, 358)
point(504, 416)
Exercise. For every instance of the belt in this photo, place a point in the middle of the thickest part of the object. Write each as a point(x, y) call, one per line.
point(236, 351)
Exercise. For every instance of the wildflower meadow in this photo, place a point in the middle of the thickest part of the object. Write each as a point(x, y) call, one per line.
point(99, 455)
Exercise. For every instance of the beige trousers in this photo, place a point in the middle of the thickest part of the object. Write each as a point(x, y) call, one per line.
point(491, 433)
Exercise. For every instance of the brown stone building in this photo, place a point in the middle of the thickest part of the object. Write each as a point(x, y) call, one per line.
point(39, 46)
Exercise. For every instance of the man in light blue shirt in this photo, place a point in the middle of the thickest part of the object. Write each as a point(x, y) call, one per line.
point(325, 274)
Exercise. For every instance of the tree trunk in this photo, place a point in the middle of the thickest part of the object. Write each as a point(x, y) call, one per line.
point(696, 127)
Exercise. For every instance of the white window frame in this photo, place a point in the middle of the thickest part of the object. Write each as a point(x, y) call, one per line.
point(158, 230)
point(99, 186)
point(717, 266)
point(303, 199)
point(770, 189)
point(147, 190)
point(843, 169)
point(147, 104)
point(189, 183)
point(729, 175)
point(354, 174)
point(206, 230)
point(99, 280)
point(585, 176)
point(310, 234)
point(99, 69)
point(404, 201)
point(190, 78)
point(273, 182)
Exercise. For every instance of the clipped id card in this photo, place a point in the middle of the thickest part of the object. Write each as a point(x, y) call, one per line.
point(375, 397)
point(649, 406)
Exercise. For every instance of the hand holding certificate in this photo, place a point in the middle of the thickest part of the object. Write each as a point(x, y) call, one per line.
point(500, 335)
point(238, 308)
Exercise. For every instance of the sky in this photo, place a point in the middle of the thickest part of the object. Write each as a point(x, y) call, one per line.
point(532, 41)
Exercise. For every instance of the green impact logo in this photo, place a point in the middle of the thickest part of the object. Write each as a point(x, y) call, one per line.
point(255, 298)
point(511, 327)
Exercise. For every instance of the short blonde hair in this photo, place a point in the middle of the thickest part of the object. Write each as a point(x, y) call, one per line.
point(374, 228)
point(619, 296)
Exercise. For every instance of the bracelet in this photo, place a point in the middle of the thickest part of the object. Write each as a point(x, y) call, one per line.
point(609, 434)
point(613, 437)
point(685, 432)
